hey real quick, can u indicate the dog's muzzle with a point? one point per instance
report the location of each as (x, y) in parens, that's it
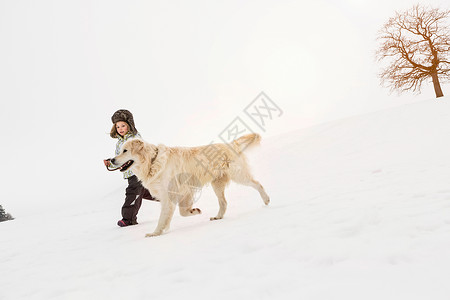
(126, 165)
(122, 168)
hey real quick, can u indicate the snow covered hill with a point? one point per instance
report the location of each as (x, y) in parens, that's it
(360, 209)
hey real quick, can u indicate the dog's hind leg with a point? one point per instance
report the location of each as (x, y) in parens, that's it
(256, 185)
(167, 210)
(219, 188)
(245, 178)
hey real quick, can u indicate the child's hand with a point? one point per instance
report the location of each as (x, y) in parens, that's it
(107, 162)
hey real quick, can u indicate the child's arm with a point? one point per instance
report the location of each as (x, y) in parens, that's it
(117, 152)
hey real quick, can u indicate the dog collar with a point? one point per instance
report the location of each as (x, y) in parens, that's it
(153, 158)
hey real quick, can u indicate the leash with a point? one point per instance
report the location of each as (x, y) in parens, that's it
(107, 168)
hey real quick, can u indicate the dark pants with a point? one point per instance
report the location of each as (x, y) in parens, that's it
(133, 200)
(134, 194)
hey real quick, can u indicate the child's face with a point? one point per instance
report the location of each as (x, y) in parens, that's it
(122, 128)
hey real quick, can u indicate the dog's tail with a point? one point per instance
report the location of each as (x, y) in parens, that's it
(246, 141)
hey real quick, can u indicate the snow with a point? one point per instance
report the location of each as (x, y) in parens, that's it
(359, 210)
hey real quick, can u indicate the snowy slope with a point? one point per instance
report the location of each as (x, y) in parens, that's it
(360, 210)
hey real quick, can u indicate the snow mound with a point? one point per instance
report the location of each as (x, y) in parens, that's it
(359, 210)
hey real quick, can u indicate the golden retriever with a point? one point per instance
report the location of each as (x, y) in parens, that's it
(174, 174)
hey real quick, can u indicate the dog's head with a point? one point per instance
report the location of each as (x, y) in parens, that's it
(131, 155)
(144, 159)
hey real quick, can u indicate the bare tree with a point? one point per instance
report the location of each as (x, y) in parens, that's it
(416, 44)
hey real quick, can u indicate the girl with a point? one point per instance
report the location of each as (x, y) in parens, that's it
(124, 129)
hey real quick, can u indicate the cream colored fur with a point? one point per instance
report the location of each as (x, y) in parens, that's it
(215, 163)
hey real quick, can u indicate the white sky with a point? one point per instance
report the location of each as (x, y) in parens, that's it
(186, 69)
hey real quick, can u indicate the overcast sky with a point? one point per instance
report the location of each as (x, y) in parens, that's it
(184, 66)
(186, 69)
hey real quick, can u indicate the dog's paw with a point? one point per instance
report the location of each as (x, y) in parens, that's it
(215, 218)
(196, 211)
(267, 201)
(153, 234)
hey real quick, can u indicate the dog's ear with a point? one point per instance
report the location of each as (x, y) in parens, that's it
(137, 146)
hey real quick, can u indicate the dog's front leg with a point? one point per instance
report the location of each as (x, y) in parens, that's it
(167, 210)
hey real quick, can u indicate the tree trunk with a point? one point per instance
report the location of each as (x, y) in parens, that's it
(437, 85)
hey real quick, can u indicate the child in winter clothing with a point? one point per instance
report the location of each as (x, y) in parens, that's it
(124, 129)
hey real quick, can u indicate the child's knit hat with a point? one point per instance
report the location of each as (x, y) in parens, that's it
(125, 116)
